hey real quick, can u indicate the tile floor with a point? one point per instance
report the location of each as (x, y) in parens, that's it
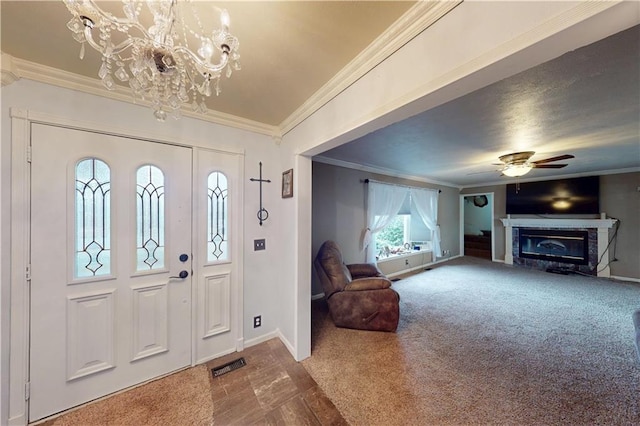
(272, 389)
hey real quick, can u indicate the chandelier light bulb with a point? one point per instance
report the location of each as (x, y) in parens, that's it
(168, 64)
(225, 20)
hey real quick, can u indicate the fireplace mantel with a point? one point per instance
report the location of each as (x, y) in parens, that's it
(602, 225)
(557, 223)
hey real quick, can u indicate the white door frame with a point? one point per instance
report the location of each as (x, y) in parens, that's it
(493, 233)
(21, 120)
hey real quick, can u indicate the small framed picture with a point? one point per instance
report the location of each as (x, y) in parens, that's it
(287, 184)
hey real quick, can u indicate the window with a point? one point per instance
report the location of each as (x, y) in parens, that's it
(150, 218)
(392, 238)
(93, 219)
(406, 227)
(387, 201)
(217, 218)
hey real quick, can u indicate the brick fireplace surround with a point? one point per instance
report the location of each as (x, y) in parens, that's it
(598, 230)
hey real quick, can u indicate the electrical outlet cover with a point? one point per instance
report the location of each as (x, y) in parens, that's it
(260, 244)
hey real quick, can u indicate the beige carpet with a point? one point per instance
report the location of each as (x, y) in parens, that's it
(183, 398)
(485, 343)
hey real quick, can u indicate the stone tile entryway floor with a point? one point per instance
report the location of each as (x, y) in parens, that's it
(271, 389)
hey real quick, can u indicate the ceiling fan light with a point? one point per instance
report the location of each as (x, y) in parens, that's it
(515, 170)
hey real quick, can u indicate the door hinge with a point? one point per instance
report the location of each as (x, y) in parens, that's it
(27, 391)
(28, 273)
(29, 154)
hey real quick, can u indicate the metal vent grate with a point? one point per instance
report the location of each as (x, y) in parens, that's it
(230, 366)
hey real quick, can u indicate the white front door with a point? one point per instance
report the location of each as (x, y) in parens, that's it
(218, 253)
(110, 235)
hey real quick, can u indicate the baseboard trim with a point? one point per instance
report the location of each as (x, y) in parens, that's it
(287, 344)
(19, 420)
(424, 266)
(633, 280)
(445, 259)
(263, 338)
(271, 335)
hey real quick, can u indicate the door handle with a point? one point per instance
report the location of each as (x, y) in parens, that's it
(182, 275)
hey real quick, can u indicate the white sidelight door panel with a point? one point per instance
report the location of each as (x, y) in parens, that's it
(217, 235)
(110, 304)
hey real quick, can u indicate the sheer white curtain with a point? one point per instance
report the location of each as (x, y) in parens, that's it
(426, 203)
(383, 204)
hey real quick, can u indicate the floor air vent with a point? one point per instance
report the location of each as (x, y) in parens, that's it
(230, 366)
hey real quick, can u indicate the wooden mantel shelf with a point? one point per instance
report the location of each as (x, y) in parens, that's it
(557, 223)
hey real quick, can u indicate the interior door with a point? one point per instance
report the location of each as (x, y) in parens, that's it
(110, 265)
(218, 217)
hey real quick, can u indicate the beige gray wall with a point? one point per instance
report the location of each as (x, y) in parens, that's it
(339, 212)
(619, 198)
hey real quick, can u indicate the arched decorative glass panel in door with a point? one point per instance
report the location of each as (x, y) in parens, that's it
(92, 218)
(217, 218)
(150, 242)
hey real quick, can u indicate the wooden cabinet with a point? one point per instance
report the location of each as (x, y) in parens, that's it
(478, 246)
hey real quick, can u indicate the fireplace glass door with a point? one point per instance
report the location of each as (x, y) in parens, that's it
(555, 245)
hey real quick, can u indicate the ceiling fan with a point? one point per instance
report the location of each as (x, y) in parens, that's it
(518, 164)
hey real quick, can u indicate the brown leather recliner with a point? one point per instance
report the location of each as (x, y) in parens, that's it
(359, 295)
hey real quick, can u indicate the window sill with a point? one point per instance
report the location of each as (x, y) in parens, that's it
(401, 255)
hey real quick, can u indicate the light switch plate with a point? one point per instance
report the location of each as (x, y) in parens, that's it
(259, 244)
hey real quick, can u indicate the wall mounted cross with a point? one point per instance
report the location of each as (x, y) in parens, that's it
(263, 214)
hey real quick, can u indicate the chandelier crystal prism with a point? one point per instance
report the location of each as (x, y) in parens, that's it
(167, 62)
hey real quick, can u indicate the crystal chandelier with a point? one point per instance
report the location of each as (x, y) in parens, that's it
(157, 60)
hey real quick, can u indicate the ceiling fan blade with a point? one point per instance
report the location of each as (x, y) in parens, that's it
(548, 166)
(548, 160)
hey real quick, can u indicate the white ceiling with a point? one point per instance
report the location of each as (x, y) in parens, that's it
(585, 103)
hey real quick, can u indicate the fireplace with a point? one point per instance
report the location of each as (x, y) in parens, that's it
(596, 243)
(555, 245)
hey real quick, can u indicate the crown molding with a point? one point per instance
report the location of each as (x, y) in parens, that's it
(9, 72)
(56, 77)
(556, 24)
(421, 16)
(555, 177)
(381, 171)
(394, 173)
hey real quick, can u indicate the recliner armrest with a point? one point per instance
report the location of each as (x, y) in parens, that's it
(372, 283)
(361, 270)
